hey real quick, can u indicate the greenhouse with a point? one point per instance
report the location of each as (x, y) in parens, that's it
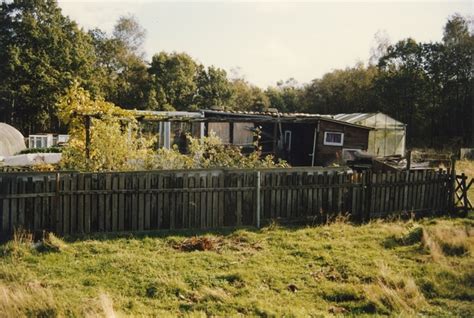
(388, 136)
(11, 140)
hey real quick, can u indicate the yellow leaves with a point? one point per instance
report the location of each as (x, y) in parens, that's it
(115, 142)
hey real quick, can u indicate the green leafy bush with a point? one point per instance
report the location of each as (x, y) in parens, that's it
(117, 144)
(53, 149)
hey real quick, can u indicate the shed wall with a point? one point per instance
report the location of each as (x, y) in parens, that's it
(354, 138)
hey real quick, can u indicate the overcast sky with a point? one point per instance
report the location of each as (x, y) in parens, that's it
(271, 41)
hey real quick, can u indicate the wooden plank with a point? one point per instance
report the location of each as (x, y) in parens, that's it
(192, 201)
(215, 200)
(45, 205)
(73, 204)
(166, 203)
(295, 206)
(330, 184)
(20, 219)
(38, 206)
(160, 203)
(309, 195)
(319, 193)
(141, 202)
(5, 189)
(80, 204)
(439, 193)
(134, 199)
(202, 215)
(354, 211)
(101, 213)
(340, 191)
(87, 203)
(289, 195)
(428, 199)
(14, 204)
(114, 202)
(398, 199)
(423, 204)
(372, 195)
(28, 217)
(388, 193)
(221, 199)
(209, 201)
(66, 206)
(278, 191)
(172, 201)
(185, 202)
(239, 200)
(410, 191)
(178, 198)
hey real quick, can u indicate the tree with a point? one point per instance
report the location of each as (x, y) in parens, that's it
(131, 34)
(213, 88)
(246, 96)
(342, 91)
(174, 78)
(41, 53)
(123, 72)
(403, 85)
(286, 96)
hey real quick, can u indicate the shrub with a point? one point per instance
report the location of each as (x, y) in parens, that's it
(115, 141)
(117, 144)
(53, 149)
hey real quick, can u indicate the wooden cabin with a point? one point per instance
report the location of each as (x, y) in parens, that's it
(300, 139)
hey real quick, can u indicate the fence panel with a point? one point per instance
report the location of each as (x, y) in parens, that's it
(76, 203)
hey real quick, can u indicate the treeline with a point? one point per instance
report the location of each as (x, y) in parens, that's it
(42, 52)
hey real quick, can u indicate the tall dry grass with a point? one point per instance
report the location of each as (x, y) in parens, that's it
(32, 300)
(394, 292)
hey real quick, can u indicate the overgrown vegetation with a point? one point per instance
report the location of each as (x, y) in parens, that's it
(117, 144)
(400, 268)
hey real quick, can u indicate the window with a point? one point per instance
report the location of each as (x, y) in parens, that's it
(38, 141)
(243, 134)
(333, 138)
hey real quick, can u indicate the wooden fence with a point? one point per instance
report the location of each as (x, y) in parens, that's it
(76, 203)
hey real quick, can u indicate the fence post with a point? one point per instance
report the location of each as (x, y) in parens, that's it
(452, 196)
(257, 208)
(464, 195)
(57, 208)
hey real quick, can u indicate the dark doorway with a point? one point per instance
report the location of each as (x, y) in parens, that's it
(302, 138)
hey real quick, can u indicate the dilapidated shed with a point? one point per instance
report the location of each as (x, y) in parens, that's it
(388, 136)
(299, 138)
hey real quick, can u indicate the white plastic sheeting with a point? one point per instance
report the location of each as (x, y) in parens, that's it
(32, 159)
(11, 140)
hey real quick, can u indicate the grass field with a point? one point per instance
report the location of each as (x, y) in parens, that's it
(380, 268)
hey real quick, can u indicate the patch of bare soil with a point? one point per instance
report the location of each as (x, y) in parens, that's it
(216, 244)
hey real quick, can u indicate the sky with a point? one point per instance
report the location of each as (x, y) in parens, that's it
(268, 41)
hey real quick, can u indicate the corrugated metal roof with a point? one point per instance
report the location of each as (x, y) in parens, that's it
(267, 113)
(276, 115)
(355, 118)
(352, 118)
